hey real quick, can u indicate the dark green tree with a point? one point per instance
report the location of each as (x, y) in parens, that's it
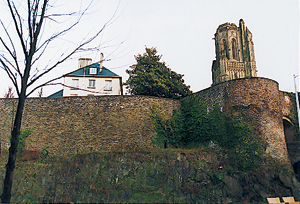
(194, 125)
(151, 77)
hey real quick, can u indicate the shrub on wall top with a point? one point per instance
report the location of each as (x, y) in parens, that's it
(193, 126)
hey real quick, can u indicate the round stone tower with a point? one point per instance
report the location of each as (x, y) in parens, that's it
(260, 103)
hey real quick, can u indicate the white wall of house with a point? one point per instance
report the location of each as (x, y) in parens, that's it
(91, 86)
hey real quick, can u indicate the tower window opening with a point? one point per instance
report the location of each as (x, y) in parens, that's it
(233, 45)
(225, 48)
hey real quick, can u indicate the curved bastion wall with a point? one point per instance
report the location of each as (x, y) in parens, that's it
(68, 125)
(260, 102)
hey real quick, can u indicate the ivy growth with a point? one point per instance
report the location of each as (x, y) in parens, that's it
(24, 133)
(194, 126)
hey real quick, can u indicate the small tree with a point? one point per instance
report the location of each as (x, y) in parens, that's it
(151, 77)
(40, 92)
(10, 93)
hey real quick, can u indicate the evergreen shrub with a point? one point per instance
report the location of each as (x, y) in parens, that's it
(23, 134)
(194, 125)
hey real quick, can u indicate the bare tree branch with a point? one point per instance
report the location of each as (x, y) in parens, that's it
(7, 61)
(44, 84)
(56, 35)
(12, 53)
(11, 76)
(72, 87)
(19, 32)
(41, 53)
(65, 30)
(63, 14)
(33, 44)
(30, 29)
(65, 58)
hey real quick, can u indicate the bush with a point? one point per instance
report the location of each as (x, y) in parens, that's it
(194, 126)
(23, 135)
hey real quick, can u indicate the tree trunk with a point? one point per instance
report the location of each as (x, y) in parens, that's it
(10, 166)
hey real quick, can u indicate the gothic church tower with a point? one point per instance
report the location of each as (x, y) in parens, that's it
(234, 53)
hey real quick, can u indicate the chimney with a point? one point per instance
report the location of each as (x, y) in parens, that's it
(101, 61)
(83, 62)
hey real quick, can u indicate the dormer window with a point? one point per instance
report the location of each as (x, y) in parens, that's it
(93, 70)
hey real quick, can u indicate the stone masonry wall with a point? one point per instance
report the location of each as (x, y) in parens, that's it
(74, 124)
(260, 102)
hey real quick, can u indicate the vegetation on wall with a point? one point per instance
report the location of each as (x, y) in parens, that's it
(193, 125)
(23, 135)
(293, 112)
(151, 77)
(144, 176)
(160, 176)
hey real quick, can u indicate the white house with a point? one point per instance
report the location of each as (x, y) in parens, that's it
(90, 79)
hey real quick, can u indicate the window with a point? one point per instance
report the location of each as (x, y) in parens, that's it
(75, 83)
(93, 70)
(108, 85)
(225, 48)
(233, 44)
(92, 83)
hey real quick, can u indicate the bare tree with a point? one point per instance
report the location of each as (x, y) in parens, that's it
(10, 93)
(20, 54)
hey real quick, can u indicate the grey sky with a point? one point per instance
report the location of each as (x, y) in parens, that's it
(182, 32)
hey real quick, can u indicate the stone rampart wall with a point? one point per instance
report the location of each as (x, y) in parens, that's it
(70, 124)
(260, 102)
(74, 124)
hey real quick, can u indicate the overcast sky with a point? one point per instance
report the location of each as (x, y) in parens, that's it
(182, 32)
